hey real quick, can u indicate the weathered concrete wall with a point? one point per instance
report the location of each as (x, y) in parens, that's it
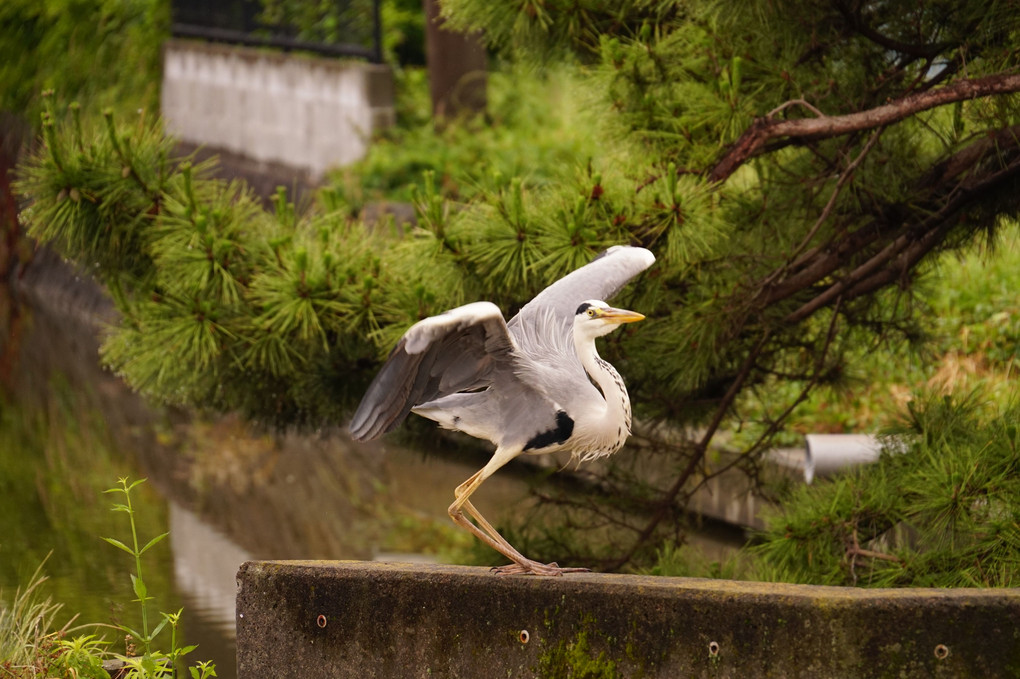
(354, 619)
(305, 112)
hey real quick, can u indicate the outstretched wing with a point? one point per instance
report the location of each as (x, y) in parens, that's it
(458, 350)
(543, 330)
(471, 348)
(600, 279)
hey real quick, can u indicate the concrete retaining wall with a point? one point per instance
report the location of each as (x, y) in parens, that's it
(354, 619)
(305, 112)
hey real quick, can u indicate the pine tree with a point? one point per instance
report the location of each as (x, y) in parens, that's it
(939, 509)
(795, 166)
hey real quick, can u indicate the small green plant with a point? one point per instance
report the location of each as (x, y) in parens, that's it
(151, 663)
(82, 657)
(30, 647)
(26, 639)
(145, 637)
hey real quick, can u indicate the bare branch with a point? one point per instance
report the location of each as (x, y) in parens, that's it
(943, 182)
(856, 21)
(763, 130)
(844, 177)
(907, 250)
(774, 426)
(794, 102)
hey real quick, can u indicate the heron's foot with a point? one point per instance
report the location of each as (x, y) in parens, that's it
(530, 567)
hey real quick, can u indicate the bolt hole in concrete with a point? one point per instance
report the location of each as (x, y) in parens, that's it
(713, 649)
(524, 636)
(941, 651)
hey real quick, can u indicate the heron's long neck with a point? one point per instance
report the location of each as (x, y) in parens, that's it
(609, 382)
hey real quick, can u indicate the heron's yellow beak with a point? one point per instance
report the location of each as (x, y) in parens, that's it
(620, 315)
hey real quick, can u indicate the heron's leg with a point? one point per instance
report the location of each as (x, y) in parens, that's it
(485, 532)
(522, 565)
(487, 527)
(480, 521)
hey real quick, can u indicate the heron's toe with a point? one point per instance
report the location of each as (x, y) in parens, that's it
(535, 568)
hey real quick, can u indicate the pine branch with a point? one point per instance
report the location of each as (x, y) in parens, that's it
(856, 20)
(776, 423)
(845, 176)
(764, 130)
(913, 244)
(943, 189)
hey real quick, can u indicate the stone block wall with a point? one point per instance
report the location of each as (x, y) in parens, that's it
(309, 113)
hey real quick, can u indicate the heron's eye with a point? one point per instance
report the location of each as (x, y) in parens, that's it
(591, 313)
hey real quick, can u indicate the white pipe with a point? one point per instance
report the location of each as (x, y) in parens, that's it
(831, 453)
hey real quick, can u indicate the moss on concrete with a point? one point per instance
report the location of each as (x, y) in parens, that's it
(348, 619)
(575, 658)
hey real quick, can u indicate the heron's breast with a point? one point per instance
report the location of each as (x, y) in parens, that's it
(598, 437)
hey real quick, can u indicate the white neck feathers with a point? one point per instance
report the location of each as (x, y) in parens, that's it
(608, 430)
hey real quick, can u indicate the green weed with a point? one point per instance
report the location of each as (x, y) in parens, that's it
(26, 621)
(30, 647)
(151, 663)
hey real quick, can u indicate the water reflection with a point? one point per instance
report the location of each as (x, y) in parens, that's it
(205, 561)
(68, 430)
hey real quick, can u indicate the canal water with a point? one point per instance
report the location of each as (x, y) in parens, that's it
(226, 493)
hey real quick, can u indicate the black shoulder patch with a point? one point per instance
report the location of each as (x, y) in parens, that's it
(581, 309)
(564, 428)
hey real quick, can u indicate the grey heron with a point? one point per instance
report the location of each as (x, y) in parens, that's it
(531, 386)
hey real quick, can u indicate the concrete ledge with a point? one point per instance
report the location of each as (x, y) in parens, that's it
(307, 112)
(352, 619)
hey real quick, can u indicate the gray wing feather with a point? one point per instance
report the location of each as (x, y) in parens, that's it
(530, 362)
(543, 330)
(600, 279)
(454, 351)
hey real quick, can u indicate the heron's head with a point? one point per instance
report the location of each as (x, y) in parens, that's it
(595, 318)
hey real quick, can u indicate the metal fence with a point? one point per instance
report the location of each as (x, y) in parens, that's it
(342, 28)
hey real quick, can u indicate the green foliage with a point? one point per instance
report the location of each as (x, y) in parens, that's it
(104, 53)
(939, 509)
(30, 647)
(26, 628)
(783, 260)
(200, 269)
(71, 180)
(403, 37)
(151, 663)
(315, 21)
(536, 28)
(535, 129)
(976, 305)
(82, 657)
(403, 24)
(970, 344)
(688, 562)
